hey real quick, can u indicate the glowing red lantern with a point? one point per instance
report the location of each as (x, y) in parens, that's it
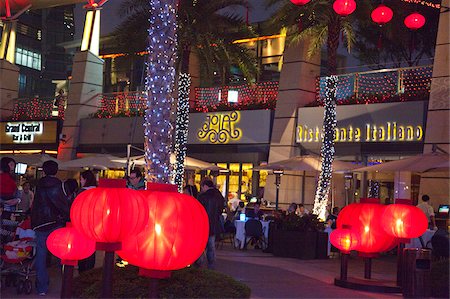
(365, 219)
(344, 7)
(344, 239)
(404, 221)
(176, 234)
(70, 245)
(109, 215)
(300, 2)
(382, 14)
(414, 21)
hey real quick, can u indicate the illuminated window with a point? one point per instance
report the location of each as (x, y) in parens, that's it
(28, 58)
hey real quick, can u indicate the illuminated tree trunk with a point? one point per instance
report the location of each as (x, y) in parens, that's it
(159, 87)
(329, 123)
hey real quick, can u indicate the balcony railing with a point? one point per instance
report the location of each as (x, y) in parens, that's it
(39, 108)
(389, 85)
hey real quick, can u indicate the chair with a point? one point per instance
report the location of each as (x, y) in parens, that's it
(227, 236)
(254, 233)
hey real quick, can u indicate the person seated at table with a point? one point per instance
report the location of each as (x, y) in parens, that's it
(301, 211)
(256, 213)
(291, 209)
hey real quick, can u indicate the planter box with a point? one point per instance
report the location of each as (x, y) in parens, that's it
(301, 245)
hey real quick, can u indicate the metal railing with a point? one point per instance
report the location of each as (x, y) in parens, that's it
(39, 108)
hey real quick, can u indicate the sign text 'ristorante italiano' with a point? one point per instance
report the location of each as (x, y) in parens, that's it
(392, 122)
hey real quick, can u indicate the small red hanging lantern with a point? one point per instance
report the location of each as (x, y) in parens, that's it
(70, 245)
(300, 2)
(382, 14)
(344, 7)
(404, 221)
(176, 234)
(344, 239)
(365, 220)
(109, 215)
(414, 21)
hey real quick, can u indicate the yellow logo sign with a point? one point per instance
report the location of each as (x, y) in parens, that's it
(220, 128)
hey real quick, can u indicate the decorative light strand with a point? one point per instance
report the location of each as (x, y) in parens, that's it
(181, 128)
(159, 83)
(327, 150)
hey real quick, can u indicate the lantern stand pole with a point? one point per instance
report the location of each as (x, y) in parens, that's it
(344, 265)
(367, 268)
(155, 276)
(66, 288)
(278, 174)
(400, 248)
(108, 266)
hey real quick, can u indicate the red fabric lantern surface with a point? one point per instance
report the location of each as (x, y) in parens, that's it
(365, 219)
(300, 2)
(404, 221)
(176, 234)
(109, 215)
(344, 7)
(382, 14)
(414, 21)
(70, 245)
(344, 239)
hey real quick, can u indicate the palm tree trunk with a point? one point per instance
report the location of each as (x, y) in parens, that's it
(159, 87)
(182, 120)
(329, 123)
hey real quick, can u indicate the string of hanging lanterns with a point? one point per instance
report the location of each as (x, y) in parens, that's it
(380, 15)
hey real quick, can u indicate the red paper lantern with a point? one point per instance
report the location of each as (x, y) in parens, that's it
(414, 21)
(176, 234)
(365, 219)
(109, 215)
(70, 245)
(382, 14)
(344, 7)
(404, 221)
(300, 2)
(344, 239)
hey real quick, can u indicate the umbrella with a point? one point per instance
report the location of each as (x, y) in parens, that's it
(305, 163)
(189, 163)
(421, 163)
(100, 161)
(32, 159)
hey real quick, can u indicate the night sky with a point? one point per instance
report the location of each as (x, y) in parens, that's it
(110, 18)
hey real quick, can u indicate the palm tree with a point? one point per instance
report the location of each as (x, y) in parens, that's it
(317, 22)
(203, 29)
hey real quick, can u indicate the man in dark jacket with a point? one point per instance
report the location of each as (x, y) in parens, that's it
(213, 202)
(50, 211)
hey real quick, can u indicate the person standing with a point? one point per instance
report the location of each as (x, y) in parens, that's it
(331, 219)
(8, 189)
(87, 182)
(213, 202)
(50, 211)
(26, 199)
(428, 211)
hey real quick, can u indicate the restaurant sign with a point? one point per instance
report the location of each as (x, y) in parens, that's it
(390, 122)
(28, 132)
(236, 127)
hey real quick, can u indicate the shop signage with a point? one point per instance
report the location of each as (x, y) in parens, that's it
(22, 132)
(230, 127)
(393, 122)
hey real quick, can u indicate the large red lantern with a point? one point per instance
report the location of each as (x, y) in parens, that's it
(404, 221)
(414, 21)
(300, 2)
(344, 7)
(70, 245)
(176, 234)
(365, 219)
(382, 14)
(109, 215)
(344, 239)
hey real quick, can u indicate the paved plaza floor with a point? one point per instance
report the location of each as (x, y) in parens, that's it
(274, 277)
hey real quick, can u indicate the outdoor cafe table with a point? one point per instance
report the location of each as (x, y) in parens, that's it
(426, 237)
(240, 232)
